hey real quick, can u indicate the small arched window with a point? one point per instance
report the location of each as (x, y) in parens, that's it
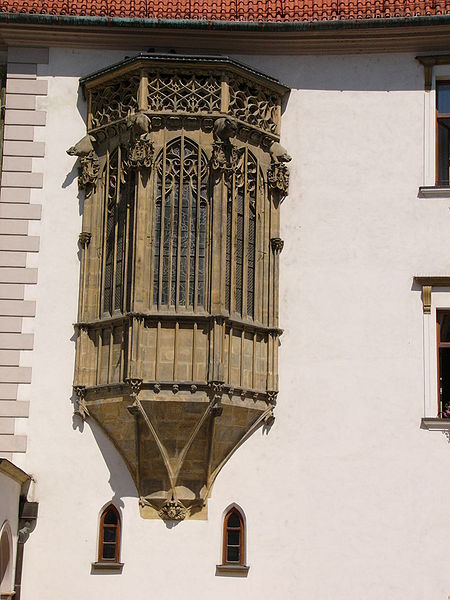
(109, 537)
(5, 561)
(233, 538)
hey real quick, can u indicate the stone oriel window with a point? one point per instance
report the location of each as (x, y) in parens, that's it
(178, 334)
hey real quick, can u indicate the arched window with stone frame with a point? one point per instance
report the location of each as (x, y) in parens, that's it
(109, 537)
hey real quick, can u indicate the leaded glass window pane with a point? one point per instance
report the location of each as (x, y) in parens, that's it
(119, 235)
(183, 226)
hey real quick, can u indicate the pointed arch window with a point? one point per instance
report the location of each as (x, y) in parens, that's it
(118, 236)
(241, 237)
(180, 226)
(233, 538)
(109, 536)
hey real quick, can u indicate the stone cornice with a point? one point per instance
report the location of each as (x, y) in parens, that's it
(417, 34)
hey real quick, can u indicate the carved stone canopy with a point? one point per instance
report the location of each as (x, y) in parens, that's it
(178, 334)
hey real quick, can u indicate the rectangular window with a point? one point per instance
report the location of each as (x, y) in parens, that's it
(443, 132)
(443, 353)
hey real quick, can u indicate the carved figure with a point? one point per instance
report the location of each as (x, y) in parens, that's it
(226, 156)
(141, 150)
(224, 129)
(82, 148)
(278, 174)
(89, 163)
(279, 154)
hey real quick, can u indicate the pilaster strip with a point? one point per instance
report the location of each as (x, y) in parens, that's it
(19, 178)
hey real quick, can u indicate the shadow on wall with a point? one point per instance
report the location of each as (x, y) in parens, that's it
(358, 72)
(120, 479)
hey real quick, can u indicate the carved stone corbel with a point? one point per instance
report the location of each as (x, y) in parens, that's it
(272, 397)
(84, 238)
(277, 245)
(81, 408)
(216, 388)
(89, 168)
(278, 174)
(135, 384)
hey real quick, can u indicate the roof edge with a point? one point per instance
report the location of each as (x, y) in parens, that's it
(243, 26)
(204, 59)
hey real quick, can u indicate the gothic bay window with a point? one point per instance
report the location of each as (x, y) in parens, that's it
(178, 333)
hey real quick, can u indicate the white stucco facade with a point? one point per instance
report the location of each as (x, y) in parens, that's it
(346, 497)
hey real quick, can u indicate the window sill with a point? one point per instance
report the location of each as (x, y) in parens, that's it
(435, 424)
(230, 569)
(107, 566)
(434, 191)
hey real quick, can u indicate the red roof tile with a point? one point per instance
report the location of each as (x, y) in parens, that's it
(233, 10)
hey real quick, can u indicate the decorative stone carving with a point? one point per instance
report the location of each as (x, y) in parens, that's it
(113, 101)
(278, 174)
(272, 397)
(141, 148)
(226, 157)
(84, 238)
(80, 407)
(277, 245)
(251, 104)
(184, 92)
(135, 385)
(269, 419)
(172, 510)
(89, 163)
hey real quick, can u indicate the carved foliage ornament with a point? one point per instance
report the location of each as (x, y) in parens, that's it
(172, 510)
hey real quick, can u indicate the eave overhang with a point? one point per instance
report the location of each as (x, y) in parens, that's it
(415, 34)
(186, 61)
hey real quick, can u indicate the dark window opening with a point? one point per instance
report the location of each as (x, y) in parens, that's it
(443, 132)
(119, 238)
(233, 538)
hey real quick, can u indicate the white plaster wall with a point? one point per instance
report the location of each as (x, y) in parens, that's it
(9, 513)
(346, 498)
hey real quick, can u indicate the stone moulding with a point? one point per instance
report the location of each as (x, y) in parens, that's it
(177, 332)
